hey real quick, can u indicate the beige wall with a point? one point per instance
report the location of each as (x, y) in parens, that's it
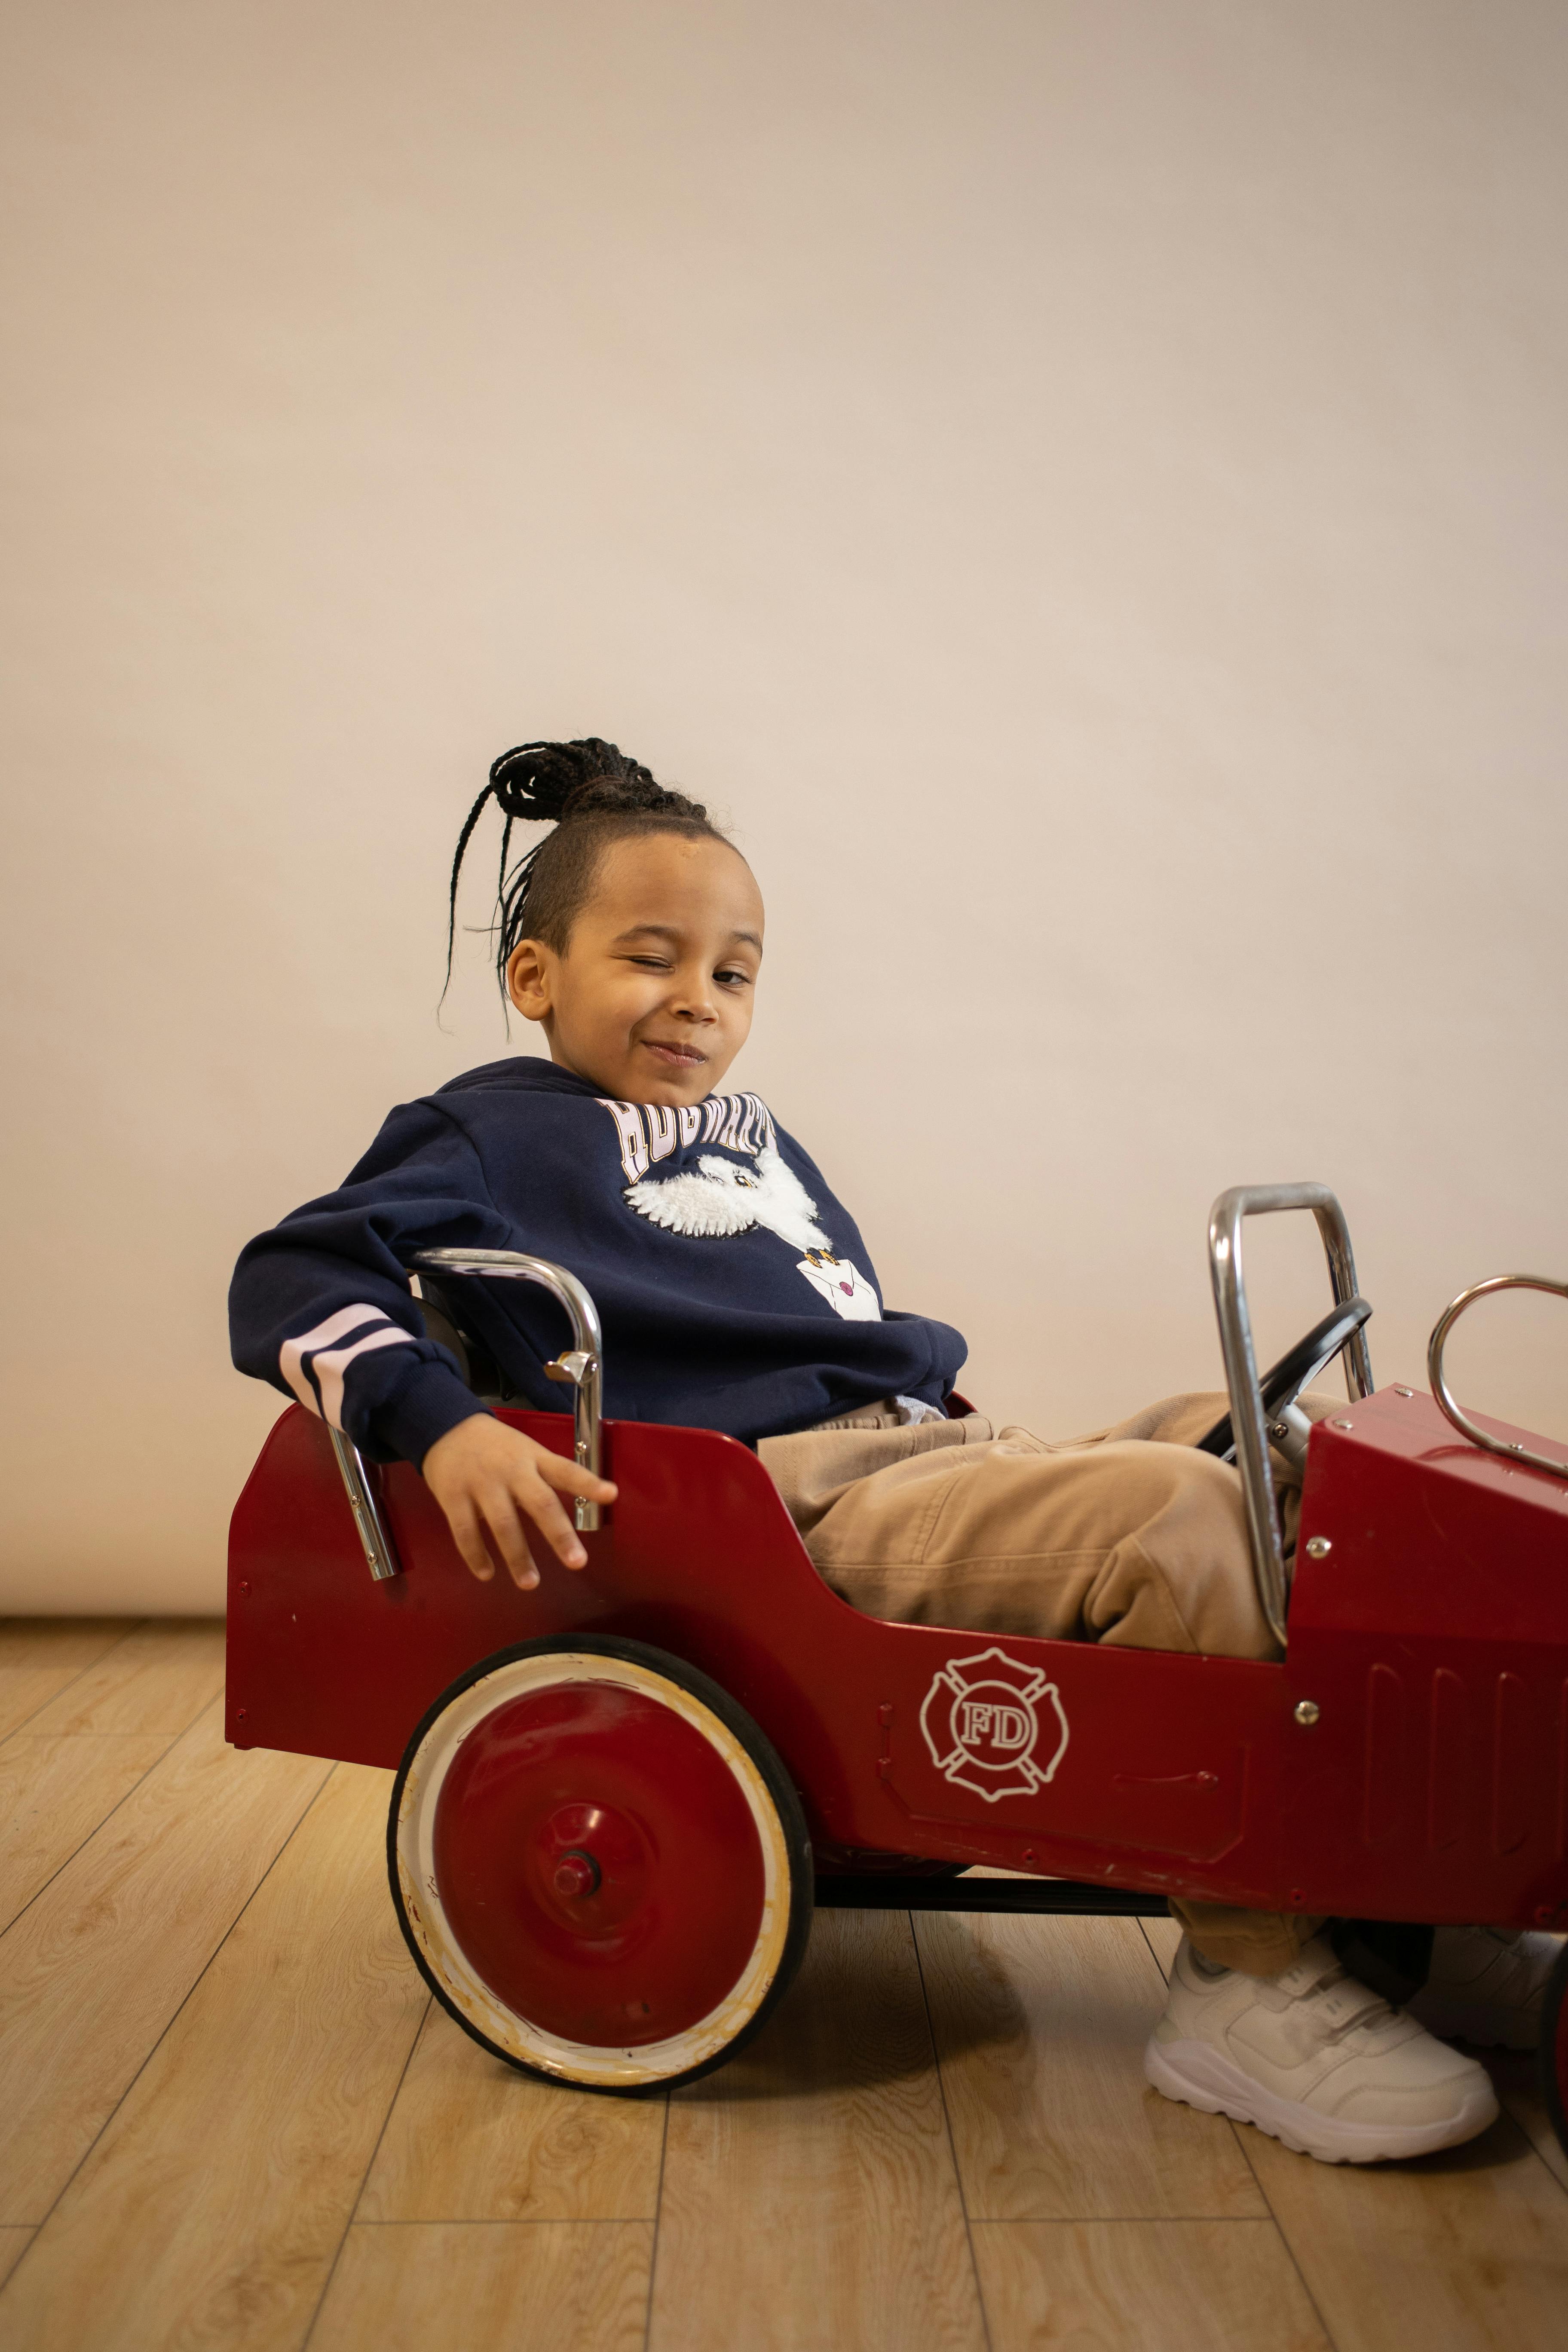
(1079, 483)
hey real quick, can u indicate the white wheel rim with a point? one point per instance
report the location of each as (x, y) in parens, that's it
(432, 1930)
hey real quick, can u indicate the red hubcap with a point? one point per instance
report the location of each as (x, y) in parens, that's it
(598, 1864)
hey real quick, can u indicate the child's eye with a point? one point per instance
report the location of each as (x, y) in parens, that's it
(732, 979)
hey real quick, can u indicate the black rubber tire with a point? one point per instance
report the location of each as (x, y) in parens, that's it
(780, 1790)
(1554, 2053)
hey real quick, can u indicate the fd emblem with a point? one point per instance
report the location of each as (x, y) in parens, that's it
(982, 1723)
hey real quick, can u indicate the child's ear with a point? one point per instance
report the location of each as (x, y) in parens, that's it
(528, 979)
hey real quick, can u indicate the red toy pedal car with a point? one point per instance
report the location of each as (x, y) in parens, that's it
(609, 1788)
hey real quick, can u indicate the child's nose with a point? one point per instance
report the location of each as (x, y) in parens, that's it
(693, 1001)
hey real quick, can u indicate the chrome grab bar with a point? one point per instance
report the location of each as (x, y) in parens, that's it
(1248, 1418)
(374, 1535)
(581, 1365)
(1508, 1448)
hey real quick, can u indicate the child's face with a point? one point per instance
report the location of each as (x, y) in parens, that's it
(652, 999)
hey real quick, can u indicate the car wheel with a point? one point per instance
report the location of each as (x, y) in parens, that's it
(599, 1864)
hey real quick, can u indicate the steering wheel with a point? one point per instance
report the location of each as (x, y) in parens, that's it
(1297, 1370)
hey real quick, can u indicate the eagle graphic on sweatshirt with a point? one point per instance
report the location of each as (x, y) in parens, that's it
(721, 1196)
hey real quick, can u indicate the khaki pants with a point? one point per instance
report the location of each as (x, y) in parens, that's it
(1125, 1536)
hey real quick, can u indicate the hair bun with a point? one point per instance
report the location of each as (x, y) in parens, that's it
(540, 783)
(537, 784)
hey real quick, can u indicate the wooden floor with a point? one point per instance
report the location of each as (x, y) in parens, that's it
(230, 2116)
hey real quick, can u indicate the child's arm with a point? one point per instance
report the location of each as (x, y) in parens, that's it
(321, 1307)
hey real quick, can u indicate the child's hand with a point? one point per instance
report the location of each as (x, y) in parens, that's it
(487, 1477)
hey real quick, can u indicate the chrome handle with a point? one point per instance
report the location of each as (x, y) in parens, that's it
(1508, 1448)
(380, 1552)
(1248, 1418)
(581, 1365)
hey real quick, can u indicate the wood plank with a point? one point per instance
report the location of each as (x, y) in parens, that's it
(809, 2193)
(158, 1679)
(1466, 2250)
(1517, 2081)
(53, 1795)
(42, 1655)
(1163, 1938)
(470, 2139)
(14, 2244)
(1040, 2026)
(93, 1971)
(212, 2208)
(451, 2286)
(1143, 2287)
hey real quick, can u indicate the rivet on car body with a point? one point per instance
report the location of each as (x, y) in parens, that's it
(1307, 1711)
(1319, 1546)
(1404, 1392)
(1340, 1424)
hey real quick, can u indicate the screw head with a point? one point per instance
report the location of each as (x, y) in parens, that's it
(1307, 1712)
(1404, 1392)
(1319, 1546)
(1340, 1424)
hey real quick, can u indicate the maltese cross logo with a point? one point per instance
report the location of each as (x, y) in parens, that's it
(982, 1721)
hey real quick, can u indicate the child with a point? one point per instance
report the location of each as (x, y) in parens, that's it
(737, 1294)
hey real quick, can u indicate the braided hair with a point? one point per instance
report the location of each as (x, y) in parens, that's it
(593, 794)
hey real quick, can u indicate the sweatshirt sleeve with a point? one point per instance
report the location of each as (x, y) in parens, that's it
(320, 1306)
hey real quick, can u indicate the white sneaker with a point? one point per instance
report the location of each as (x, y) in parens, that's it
(1487, 1985)
(1316, 2060)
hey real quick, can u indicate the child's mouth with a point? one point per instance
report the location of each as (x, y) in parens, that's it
(675, 1057)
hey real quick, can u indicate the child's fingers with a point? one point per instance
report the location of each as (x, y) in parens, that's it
(534, 1496)
(507, 1536)
(572, 1479)
(468, 1537)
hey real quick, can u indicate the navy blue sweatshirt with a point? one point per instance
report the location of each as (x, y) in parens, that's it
(734, 1291)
